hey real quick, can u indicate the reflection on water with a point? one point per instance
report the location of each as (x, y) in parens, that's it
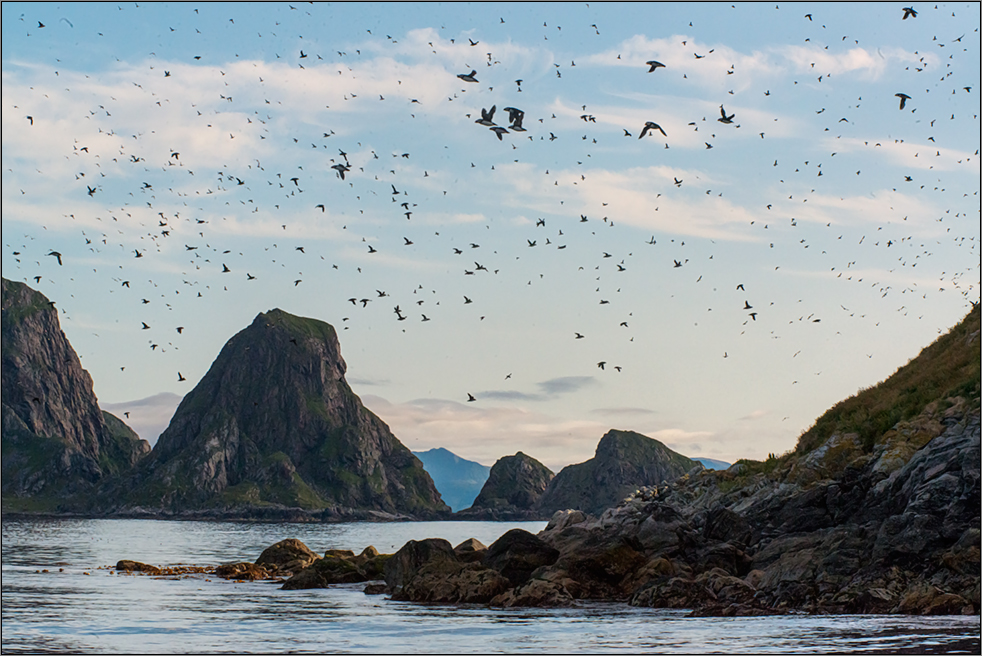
(83, 608)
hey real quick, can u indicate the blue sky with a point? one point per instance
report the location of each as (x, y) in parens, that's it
(208, 132)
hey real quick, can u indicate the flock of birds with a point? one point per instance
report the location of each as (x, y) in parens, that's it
(359, 177)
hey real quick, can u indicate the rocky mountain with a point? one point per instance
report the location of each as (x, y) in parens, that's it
(273, 425)
(57, 443)
(457, 479)
(512, 489)
(623, 462)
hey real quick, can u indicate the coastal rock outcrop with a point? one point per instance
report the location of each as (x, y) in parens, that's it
(57, 444)
(273, 424)
(624, 461)
(511, 490)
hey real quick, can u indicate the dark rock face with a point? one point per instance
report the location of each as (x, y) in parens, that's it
(518, 553)
(429, 570)
(56, 440)
(623, 462)
(513, 486)
(406, 562)
(274, 424)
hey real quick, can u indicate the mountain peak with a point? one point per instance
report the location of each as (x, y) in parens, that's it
(273, 422)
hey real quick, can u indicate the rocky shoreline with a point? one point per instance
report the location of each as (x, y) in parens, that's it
(906, 542)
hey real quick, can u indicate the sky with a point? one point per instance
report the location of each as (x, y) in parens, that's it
(791, 232)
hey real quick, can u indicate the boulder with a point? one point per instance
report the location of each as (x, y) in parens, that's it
(517, 553)
(324, 572)
(136, 566)
(242, 572)
(603, 567)
(403, 565)
(286, 557)
(470, 550)
(447, 581)
(536, 593)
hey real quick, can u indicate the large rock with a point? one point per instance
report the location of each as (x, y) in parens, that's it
(57, 444)
(339, 566)
(274, 424)
(429, 570)
(624, 461)
(286, 557)
(518, 553)
(406, 562)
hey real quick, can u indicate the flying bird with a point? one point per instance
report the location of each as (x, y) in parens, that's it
(57, 255)
(909, 12)
(723, 117)
(903, 99)
(651, 126)
(487, 117)
(468, 77)
(654, 64)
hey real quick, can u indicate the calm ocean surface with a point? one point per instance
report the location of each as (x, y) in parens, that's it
(76, 607)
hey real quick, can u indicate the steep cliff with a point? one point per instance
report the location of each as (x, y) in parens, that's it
(274, 424)
(514, 484)
(624, 461)
(57, 443)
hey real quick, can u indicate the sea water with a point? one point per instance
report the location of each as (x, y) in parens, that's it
(79, 606)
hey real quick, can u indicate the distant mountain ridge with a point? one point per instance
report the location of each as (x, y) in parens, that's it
(457, 479)
(57, 445)
(712, 463)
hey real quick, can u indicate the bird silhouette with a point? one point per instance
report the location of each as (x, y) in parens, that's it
(903, 99)
(649, 125)
(723, 117)
(57, 255)
(468, 77)
(654, 65)
(487, 117)
(909, 13)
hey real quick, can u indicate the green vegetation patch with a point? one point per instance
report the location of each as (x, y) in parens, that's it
(947, 368)
(300, 326)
